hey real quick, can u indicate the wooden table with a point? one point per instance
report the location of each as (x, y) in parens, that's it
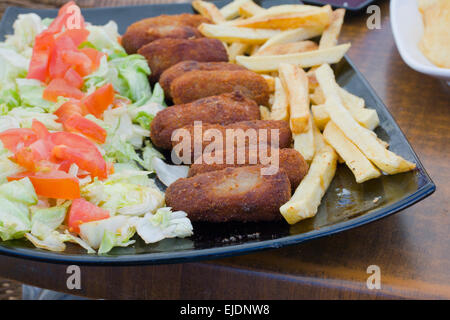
(412, 248)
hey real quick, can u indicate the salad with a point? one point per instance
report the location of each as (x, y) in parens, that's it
(75, 158)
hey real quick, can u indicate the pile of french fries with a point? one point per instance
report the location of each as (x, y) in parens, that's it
(329, 124)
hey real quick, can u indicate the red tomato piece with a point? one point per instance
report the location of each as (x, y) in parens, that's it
(94, 55)
(79, 150)
(58, 88)
(36, 156)
(78, 36)
(79, 61)
(73, 78)
(53, 184)
(69, 16)
(38, 68)
(83, 211)
(98, 101)
(78, 123)
(40, 129)
(69, 108)
(14, 139)
(57, 66)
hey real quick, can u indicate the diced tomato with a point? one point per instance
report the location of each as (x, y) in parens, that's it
(69, 108)
(98, 101)
(78, 36)
(69, 16)
(73, 78)
(58, 88)
(78, 123)
(85, 160)
(38, 68)
(40, 129)
(14, 139)
(54, 184)
(57, 66)
(79, 150)
(83, 211)
(94, 55)
(36, 156)
(79, 61)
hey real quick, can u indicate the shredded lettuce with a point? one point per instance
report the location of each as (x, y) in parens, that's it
(163, 224)
(30, 92)
(104, 38)
(167, 173)
(15, 197)
(12, 66)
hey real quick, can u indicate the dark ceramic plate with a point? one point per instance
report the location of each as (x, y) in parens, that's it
(346, 204)
(351, 5)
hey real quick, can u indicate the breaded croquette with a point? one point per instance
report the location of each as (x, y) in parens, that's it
(163, 53)
(236, 135)
(181, 26)
(198, 84)
(290, 160)
(233, 194)
(223, 109)
(185, 66)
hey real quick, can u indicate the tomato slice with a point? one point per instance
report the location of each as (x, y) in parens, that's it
(40, 129)
(78, 36)
(14, 139)
(83, 211)
(69, 16)
(54, 184)
(36, 156)
(38, 68)
(78, 123)
(60, 88)
(67, 109)
(79, 150)
(73, 78)
(94, 55)
(98, 101)
(80, 62)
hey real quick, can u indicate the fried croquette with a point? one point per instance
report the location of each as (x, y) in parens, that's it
(222, 109)
(198, 84)
(232, 194)
(163, 53)
(243, 134)
(290, 160)
(181, 26)
(185, 66)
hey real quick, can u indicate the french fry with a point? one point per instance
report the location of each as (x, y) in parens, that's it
(286, 48)
(368, 118)
(288, 8)
(231, 10)
(360, 166)
(250, 9)
(254, 49)
(320, 116)
(295, 35)
(270, 82)
(369, 145)
(208, 10)
(303, 59)
(265, 113)
(331, 33)
(350, 100)
(304, 142)
(295, 83)
(236, 49)
(280, 104)
(308, 195)
(232, 34)
(320, 17)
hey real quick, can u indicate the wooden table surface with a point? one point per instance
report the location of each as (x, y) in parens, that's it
(412, 248)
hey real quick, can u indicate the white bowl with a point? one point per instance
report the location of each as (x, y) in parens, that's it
(407, 27)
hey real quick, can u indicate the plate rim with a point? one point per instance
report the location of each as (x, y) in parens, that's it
(191, 255)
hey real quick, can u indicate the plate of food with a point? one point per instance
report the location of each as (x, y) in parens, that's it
(172, 133)
(421, 32)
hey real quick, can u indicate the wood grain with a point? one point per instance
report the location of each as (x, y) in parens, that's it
(412, 248)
